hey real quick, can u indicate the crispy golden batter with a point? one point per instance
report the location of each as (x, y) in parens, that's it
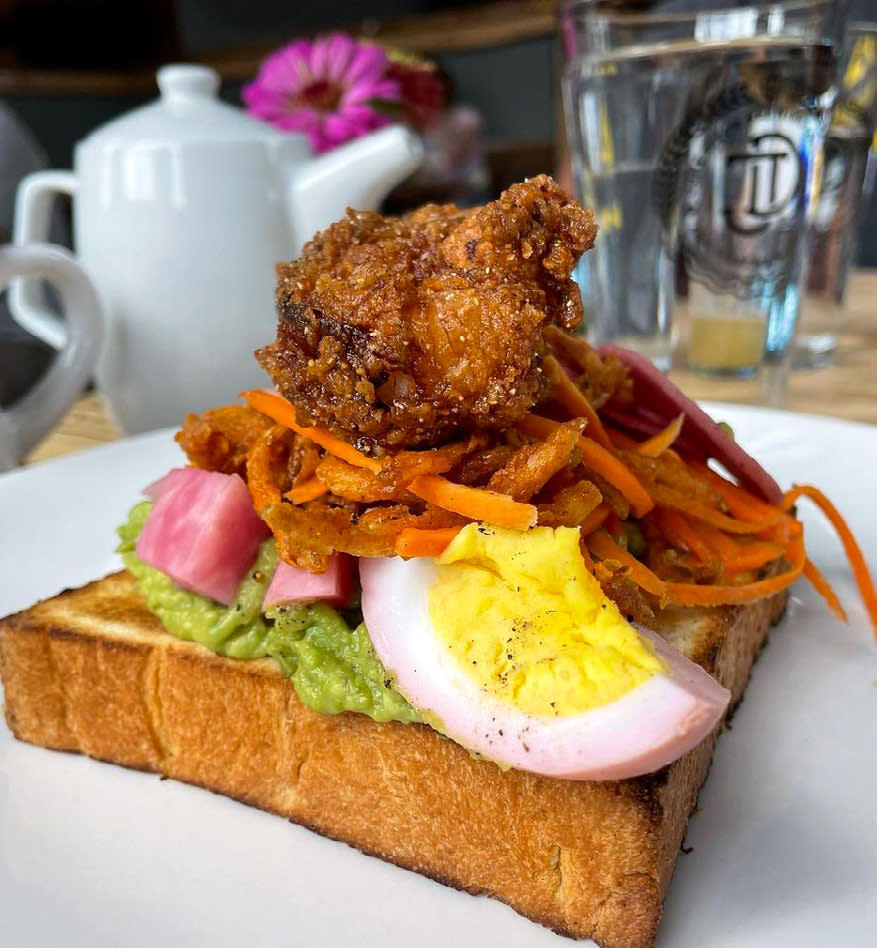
(530, 468)
(221, 439)
(406, 331)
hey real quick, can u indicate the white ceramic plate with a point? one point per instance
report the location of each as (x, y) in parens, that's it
(784, 848)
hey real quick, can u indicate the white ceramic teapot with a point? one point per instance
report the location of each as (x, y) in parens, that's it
(181, 209)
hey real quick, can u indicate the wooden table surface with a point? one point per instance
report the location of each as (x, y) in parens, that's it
(846, 389)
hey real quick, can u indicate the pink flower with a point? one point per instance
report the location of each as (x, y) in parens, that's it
(325, 89)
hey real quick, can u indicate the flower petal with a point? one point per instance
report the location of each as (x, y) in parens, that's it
(322, 52)
(365, 121)
(361, 115)
(287, 70)
(368, 63)
(339, 129)
(341, 50)
(362, 92)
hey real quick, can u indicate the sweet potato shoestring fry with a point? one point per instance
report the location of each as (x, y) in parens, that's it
(532, 465)
(599, 459)
(262, 476)
(851, 547)
(568, 395)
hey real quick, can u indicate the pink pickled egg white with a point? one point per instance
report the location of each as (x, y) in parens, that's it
(292, 584)
(650, 726)
(202, 531)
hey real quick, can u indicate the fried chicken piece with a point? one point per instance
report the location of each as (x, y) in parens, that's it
(404, 332)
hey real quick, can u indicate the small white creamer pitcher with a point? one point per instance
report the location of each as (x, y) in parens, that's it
(181, 209)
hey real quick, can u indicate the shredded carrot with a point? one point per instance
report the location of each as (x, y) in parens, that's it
(617, 474)
(737, 556)
(753, 556)
(414, 542)
(697, 510)
(657, 445)
(602, 545)
(851, 547)
(277, 407)
(574, 401)
(596, 457)
(691, 594)
(823, 587)
(594, 520)
(682, 534)
(725, 548)
(621, 440)
(474, 502)
(738, 501)
(308, 490)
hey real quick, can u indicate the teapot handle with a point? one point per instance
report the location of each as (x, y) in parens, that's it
(33, 216)
(25, 423)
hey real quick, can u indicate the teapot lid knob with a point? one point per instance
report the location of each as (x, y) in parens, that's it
(186, 81)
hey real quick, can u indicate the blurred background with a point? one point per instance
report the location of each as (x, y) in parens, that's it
(68, 66)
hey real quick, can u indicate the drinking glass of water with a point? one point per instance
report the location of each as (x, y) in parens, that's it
(697, 138)
(847, 182)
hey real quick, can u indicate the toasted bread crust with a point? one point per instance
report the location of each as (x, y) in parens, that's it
(92, 671)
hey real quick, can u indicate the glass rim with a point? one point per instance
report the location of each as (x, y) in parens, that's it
(609, 15)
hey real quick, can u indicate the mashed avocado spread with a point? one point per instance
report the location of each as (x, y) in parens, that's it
(327, 654)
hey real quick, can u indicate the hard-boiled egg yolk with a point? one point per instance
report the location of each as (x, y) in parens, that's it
(525, 619)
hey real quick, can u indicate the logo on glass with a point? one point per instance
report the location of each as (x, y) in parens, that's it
(770, 180)
(744, 205)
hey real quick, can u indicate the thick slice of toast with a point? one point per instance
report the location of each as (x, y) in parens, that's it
(91, 670)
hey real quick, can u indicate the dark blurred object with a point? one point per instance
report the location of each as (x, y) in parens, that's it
(20, 154)
(23, 359)
(454, 168)
(424, 88)
(513, 161)
(88, 34)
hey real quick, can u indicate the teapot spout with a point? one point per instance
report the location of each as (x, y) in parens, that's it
(359, 175)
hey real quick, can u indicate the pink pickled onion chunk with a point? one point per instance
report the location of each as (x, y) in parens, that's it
(202, 531)
(292, 584)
